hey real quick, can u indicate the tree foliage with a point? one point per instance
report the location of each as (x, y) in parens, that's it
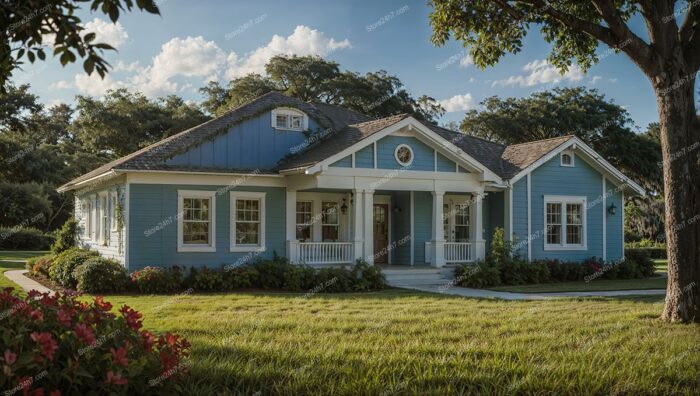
(311, 78)
(29, 25)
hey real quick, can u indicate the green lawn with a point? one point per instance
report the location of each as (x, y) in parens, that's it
(594, 285)
(401, 342)
(21, 255)
(661, 265)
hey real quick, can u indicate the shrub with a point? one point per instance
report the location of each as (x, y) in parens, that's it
(653, 252)
(271, 272)
(333, 280)
(65, 263)
(101, 275)
(536, 272)
(24, 238)
(40, 265)
(642, 261)
(299, 278)
(65, 239)
(367, 277)
(155, 280)
(84, 348)
(242, 277)
(482, 274)
(208, 281)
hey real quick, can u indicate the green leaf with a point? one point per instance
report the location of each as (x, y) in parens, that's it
(89, 37)
(40, 53)
(89, 65)
(31, 56)
(20, 53)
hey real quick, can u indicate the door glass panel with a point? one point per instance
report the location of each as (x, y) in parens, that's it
(461, 223)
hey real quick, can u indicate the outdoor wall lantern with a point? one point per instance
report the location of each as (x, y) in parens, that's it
(344, 207)
(612, 209)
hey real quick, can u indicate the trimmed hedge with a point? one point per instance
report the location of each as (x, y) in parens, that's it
(656, 253)
(101, 275)
(64, 264)
(24, 238)
(502, 267)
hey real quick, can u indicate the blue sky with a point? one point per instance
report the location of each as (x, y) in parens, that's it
(192, 42)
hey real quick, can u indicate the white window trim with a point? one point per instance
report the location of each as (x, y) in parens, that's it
(561, 158)
(181, 195)
(103, 218)
(396, 155)
(94, 219)
(311, 224)
(289, 112)
(247, 195)
(113, 210)
(563, 200)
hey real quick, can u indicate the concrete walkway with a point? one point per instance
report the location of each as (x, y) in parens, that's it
(446, 288)
(26, 283)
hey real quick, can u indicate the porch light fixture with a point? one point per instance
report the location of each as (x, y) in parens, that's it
(344, 207)
(612, 209)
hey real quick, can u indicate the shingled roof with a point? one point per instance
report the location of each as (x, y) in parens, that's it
(347, 128)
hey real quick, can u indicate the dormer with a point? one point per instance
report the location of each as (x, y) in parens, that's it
(289, 119)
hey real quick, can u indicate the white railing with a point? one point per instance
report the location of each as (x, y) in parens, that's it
(458, 252)
(324, 252)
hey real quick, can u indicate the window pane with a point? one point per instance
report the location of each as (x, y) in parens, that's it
(554, 223)
(247, 233)
(574, 234)
(281, 121)
(329, 214)
(296, 122)
(574, 213)
(330, 233)
(196, 233)
(554, 234)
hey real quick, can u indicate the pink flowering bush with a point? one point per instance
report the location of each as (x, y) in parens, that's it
(58, 345)
(156, 280)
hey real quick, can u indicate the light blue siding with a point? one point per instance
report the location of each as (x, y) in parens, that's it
(580, 180)
(401, 228)
(251, 144)
(520, 216)
(493, 215)
(154, 206)
(423, 154)
(614, 223)
(364, 158)
(444, 164)
(343, 163)
(422, 216)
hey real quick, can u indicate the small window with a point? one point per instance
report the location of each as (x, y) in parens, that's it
(567, 158)
(304, 220)
(403, 155)
(289, 119)
(196, 221)
(104, 220)
(113, 212)
(329, 221)
(247, 222)
(565, 219)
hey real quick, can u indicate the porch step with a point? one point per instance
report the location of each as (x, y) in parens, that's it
(411, 276)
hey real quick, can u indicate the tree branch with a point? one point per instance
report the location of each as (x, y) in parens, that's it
(689, 35)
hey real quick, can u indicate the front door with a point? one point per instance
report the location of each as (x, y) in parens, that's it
(381, 233)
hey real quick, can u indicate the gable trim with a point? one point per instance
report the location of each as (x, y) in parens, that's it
(413, 125)
(592, 154)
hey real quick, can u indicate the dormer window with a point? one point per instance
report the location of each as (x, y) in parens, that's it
(289, 119)
(567, 158)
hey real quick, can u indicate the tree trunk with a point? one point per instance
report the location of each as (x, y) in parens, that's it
(680, 142)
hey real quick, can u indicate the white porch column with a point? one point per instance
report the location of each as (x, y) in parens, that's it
(357, 227)
(291, 226)
(478, 232)
(368, 230)
(438, 259)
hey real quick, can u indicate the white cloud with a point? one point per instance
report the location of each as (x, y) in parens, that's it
(466, 61)
(126, 67)
(458, 103)
(595, 80)
(541, 72)
(189, 57)
(93, 85)
(63, 84)
(113, 34)
(303, 41)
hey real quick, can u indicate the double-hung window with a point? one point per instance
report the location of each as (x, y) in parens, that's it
(104, 218)
(113, 211)
(247, 221)
(196, 221)
(305, 214)
(565, 223)
(330, 223)
(87, 216)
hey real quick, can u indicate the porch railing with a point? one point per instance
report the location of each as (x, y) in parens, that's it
(324, 252)
(454, 252)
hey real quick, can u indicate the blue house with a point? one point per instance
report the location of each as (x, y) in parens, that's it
(324, 185)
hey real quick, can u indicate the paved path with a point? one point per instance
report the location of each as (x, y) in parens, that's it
(444, 288)
(26, 283)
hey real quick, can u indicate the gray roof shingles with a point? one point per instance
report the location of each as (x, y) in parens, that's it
(346, 128)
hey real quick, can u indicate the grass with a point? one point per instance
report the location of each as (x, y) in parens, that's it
(4, 282)
(661, 265)
(20, 255)
(402, 342)
(594, 285)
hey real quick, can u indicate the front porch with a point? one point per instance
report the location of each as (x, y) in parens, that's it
(386, 227)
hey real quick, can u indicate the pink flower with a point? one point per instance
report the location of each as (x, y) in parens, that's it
(10, 357)
(65, 315)
(133, 318)
(85, 333)
(119, 356)
(148, 340)
(102, 304)
(46, 342)
(115, 379)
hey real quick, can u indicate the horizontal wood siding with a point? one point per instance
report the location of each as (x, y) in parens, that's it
(614, 223)
(111, 249)
(423, 154)
(520, 216)
(343, 163)
(581, 180)
(364, 158)
(153, 227)
(401, 228)
(493, 215)
(251, 144)
(444, 164)
(423, 228)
